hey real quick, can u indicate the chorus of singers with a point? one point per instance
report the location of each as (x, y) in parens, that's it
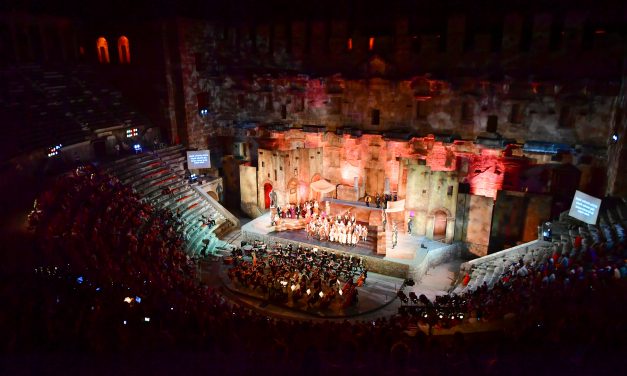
(296, 211)
(341, 229)
(305, 276)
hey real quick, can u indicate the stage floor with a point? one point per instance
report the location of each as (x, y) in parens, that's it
(410, 250)
(367, 248)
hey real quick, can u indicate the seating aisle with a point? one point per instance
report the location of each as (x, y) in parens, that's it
(158, 177)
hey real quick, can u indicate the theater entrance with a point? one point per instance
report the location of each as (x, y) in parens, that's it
(439, 225)
(267, 188)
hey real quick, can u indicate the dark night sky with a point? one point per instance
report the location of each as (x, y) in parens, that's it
(89, 10)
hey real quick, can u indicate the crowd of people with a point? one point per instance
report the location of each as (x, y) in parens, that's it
(112, 274)
(380, 200)
(306, 210)
(570, 272)
(342, 229)
(301, 276)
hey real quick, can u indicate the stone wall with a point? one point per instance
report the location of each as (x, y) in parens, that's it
(379, 105)
(289, 172)
(473, 222)
(572, 112)
(617, 149)
(248, 189)
(427, 194)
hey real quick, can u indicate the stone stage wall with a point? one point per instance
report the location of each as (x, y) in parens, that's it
(374, 264)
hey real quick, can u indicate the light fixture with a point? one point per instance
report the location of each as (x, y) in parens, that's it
(134, 132)
(54, 150)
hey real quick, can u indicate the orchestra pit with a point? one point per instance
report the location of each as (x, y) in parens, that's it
(335, 187)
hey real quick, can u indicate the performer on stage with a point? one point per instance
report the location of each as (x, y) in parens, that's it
(384, 219)
(273, 198)
(394, 235)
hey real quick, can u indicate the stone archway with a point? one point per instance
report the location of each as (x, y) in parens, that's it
(267, 188)
(439, 225)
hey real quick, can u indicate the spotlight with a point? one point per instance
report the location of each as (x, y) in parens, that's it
(615, 137)
(138, 299)
(308, 291)
(54, 150)
(321, 294)
(146, 319)
(128, 300)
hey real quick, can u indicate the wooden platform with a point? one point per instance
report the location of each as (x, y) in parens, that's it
(388, 265)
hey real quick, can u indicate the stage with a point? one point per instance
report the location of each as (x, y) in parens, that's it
(411, 257)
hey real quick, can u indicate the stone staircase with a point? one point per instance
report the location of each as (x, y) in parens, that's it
(159, 178)
(489, 269)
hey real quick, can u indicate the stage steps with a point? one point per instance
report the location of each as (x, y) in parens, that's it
(151, 173)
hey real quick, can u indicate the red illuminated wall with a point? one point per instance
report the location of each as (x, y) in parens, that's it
(486, 170)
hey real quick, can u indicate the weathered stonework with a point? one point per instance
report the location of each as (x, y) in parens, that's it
(355, 110)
